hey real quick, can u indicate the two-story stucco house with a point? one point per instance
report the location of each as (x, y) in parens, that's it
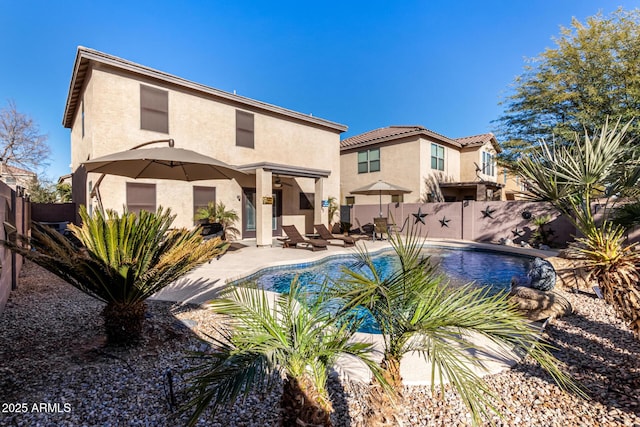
(292, 160)
(414, 156)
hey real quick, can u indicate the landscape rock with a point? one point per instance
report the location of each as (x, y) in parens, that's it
(541, 275)
(539, 305)
(52, 353)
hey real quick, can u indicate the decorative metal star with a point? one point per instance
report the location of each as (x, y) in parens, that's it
(517, 233)
(419, 216)
(444, 222)
(487, 212)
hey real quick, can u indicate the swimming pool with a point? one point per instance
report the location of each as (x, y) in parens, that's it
(488, 269)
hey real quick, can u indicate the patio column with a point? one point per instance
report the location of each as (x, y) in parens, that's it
(264, 208)
(320, 215)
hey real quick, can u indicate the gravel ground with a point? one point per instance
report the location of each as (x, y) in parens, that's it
(55, 371)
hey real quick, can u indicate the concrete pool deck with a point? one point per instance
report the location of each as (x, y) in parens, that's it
(245, 258)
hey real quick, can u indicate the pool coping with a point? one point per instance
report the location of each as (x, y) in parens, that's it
(435, 243)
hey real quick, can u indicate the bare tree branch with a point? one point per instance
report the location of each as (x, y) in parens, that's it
(21, 143)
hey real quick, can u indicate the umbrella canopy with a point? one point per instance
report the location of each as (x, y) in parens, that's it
(162, 163)
(381, 187)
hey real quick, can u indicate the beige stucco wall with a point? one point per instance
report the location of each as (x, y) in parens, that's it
(399, 165)
(405, 163)
(469, 157)
(199, 123)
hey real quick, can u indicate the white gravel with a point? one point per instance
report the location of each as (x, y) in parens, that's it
(55, 372)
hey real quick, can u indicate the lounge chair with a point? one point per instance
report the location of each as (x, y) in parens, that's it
(295, 238)
(325, 234)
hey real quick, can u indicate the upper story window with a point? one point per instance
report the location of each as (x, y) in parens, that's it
(488, 165)
(437, 157)
(369, 160)
(154, 109)
(244, 129)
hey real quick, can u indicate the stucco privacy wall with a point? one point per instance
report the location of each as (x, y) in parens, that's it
(15, 213)
(111, 103)
(471, 220)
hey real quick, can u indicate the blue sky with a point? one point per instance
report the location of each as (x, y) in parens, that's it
(367, 64)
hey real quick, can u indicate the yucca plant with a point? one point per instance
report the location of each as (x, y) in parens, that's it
(416, 311)
(121, 260)
(218, 212)
(291, 335)
(615, 267)
(605, 166)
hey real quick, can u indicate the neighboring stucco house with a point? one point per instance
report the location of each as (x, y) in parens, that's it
(291, 159)
(410, 156)
(16, 177)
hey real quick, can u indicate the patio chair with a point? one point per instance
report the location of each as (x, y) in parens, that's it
(380, 226)
(366, 229)
(295, 238)
(325, 234)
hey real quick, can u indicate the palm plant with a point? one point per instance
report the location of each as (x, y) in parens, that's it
(217, 212)
(291, 336)
(606, 167)
(416, 311)
(542, 235)
(122, 260)
(334, 207)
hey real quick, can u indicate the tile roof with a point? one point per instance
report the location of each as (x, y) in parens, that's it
(13, 170)
(479, 140)
(391, 133)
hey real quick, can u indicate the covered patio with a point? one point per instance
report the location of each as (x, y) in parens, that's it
(279, 198)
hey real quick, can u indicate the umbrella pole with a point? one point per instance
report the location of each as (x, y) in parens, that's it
(380, 202)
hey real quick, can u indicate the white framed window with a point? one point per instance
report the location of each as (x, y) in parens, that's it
(369, 160)
(488, 164)
(437, 157)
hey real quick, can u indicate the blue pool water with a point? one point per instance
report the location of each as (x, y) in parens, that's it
(492, 270)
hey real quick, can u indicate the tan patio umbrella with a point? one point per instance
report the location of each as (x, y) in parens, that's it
(381, 187)
(160, 163)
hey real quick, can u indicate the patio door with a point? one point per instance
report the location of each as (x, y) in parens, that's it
(249, 219)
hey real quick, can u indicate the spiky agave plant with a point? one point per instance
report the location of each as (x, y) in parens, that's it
(122, 260)
(417, 312)
(290, 334)
(615, 266)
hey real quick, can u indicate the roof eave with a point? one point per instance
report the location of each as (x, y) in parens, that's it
(85, 55)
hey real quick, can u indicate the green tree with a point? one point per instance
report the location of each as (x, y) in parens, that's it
(289, 335)
(63, 192)
(42, 191)
(416, 311)
(603, 168)
(123, 260)
(592, 73)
